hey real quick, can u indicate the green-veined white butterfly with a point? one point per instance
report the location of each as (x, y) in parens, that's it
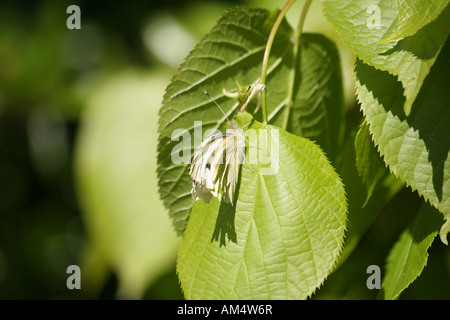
(215, 164)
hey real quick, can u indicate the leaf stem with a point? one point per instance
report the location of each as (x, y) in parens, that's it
(265, 63)
(301, 22)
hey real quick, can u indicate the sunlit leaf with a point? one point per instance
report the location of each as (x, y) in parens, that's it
(282, 238)
(362, 24)
(415, 14)
(415, 147)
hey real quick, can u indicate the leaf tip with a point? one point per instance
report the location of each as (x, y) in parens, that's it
(445, 229)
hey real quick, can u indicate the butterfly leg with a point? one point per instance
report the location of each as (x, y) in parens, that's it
(246, 161)
(251, 144)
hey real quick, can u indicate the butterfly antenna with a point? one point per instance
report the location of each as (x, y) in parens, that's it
(206, 92)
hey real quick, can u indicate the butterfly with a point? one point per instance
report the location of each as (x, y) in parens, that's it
(214, 168)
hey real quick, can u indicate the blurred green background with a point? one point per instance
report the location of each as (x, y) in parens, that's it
(78, 135)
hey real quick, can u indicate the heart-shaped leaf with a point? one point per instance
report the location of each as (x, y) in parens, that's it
(281, 239)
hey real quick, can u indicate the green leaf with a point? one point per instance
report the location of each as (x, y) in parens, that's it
(415, 147)
(229, 58)
(317, 110)
(362, 24)
(370, 166)
(280, 240)
(445, 230)
(409, 255)
(415, 14)
(115, 167)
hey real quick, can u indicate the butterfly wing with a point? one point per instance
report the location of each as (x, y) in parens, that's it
(204, 169)
(235, 148)
(215, 166)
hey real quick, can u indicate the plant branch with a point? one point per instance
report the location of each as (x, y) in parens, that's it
(301, 22)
